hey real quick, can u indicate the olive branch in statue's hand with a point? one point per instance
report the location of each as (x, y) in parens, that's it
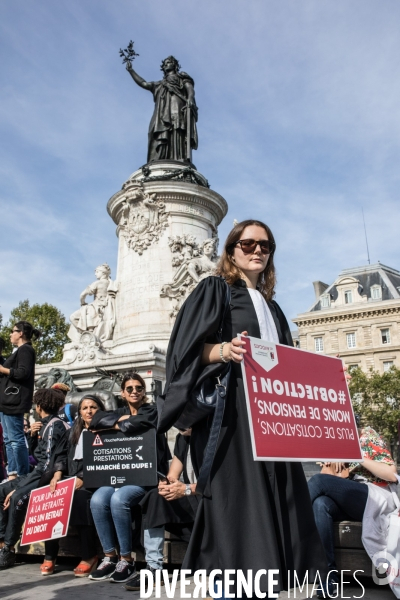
(129, 54)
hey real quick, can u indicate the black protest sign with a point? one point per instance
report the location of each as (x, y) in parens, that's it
(111, 458)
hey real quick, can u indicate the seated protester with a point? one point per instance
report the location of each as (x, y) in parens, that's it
(111, 508)
(80, 510)
(68, 412)
(171, 506)
(50, 451)
(343, 496)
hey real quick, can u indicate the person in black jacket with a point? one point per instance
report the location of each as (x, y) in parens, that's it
(111, 509)
(80, 511)
(50, 451)
(16, 392)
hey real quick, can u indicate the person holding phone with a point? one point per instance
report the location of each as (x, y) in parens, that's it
(16, 392)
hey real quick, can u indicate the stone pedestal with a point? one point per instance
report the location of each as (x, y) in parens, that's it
(163, 213)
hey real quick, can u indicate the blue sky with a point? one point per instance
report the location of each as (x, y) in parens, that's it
(299, 125)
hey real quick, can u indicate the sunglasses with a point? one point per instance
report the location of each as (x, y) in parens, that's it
(137, 388)
(16, 331)
(249, 246)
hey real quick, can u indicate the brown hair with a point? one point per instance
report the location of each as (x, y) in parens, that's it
(135, 377)
(226, 267)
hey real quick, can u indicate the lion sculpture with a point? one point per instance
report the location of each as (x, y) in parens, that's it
(58, 375)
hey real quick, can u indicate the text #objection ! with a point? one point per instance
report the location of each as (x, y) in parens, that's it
(298, 405)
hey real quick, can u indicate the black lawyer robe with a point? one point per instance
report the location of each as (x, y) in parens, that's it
(176, 515)
(254, 515)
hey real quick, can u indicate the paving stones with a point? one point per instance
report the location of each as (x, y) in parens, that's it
(24, 582)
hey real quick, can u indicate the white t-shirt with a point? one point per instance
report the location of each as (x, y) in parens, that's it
(265, 320)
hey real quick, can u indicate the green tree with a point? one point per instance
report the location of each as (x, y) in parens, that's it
(49, 320)
(376, 398)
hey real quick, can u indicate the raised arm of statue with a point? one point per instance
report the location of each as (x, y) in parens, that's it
(147, 85)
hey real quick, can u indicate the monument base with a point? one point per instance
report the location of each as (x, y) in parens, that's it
(150, 364)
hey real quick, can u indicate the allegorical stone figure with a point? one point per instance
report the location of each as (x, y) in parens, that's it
(97, 317)
(175, 113)
(194, 261)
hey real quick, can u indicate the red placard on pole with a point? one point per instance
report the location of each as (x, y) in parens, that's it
(298, 405)
(47, 517)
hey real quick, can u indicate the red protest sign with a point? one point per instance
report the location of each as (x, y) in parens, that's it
(298, 405)
(47, 517)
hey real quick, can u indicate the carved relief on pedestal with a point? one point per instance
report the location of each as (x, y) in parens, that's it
(193, 262)
(88, 349)
(143, 219)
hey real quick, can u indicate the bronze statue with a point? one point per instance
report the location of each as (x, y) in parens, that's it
(172, 131)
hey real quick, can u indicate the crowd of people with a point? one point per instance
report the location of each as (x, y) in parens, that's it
(249, 514)
(102, 517)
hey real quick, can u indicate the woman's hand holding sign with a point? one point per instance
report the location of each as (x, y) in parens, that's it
(236, 349)
(224, 352)
(56, 478)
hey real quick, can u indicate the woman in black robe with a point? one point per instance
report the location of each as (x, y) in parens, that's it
(253, 515)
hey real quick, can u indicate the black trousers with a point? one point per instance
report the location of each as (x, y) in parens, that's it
(88, 542)
(12, 518)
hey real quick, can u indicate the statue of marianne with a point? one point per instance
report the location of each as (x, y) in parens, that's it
(173, 97)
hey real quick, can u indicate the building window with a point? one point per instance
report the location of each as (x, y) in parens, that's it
(348, 297)
(376, 292)
(387, 365)
(352, 368)
(351, 340)
(325, 301)
(319, 344)
(385, 335)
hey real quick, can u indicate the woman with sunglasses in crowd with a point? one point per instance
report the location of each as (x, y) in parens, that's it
(111, 508)
(253, 515)
(16, 393)
(80, 511)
